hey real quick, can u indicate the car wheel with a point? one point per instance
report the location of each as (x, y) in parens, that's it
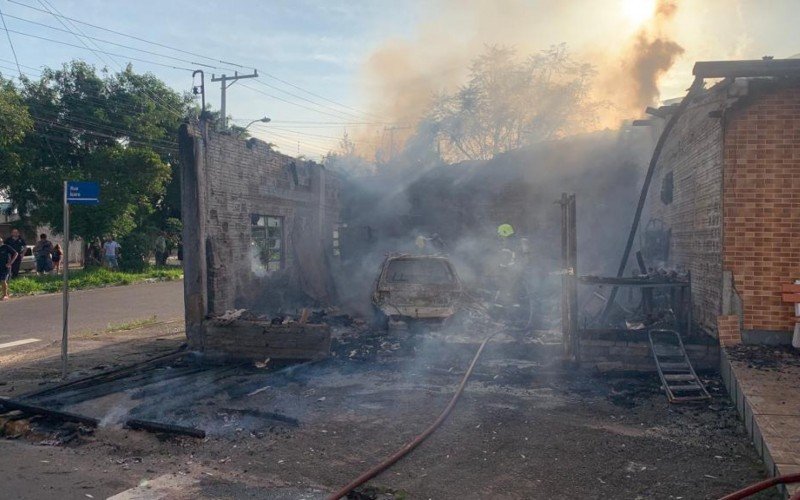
(380, 321)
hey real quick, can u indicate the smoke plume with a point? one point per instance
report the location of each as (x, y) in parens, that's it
(402, 76)
(651, 54)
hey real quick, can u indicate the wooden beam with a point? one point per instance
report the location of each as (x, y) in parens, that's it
(46, 412)
(146, 425)
(754, 68)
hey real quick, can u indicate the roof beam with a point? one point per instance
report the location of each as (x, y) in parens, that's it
(754, 68)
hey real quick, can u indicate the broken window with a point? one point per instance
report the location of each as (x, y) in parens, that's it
(267, 241)
(336, 251)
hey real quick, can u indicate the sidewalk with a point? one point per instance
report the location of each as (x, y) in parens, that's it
(763, 381)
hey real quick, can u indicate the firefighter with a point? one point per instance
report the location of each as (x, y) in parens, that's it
(507, 256)
(514, 260)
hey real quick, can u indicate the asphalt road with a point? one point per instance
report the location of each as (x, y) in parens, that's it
(27, 322)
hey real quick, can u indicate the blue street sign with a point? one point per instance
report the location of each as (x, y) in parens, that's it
(83, 193)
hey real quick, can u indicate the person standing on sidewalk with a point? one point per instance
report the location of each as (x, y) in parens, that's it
(57, 254)
(16, 242)
(44, 255)
(111, 250)
(160, 248)
(7, 257)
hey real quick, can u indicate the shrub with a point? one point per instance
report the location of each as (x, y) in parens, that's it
(135, 252)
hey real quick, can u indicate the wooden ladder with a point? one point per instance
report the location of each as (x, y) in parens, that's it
(679, 379)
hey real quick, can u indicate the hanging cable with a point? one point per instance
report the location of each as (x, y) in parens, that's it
(8, 35)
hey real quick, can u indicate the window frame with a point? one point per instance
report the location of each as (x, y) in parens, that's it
(270, 265)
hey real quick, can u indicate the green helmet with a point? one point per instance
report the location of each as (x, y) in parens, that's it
(505, 230)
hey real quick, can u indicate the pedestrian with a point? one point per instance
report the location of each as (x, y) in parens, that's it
(7, 257)
(16, 242)
(96, 252)
(111, 252)
(160, 247)
(44, 255)
(57, 254)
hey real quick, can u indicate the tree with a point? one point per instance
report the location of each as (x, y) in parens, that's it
(346, 159)
(117, 129)
(15, 122)
(508, 103)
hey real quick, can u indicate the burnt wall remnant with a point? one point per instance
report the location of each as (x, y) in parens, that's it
(259, 232)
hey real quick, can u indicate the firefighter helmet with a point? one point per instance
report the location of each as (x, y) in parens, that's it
(505, 230)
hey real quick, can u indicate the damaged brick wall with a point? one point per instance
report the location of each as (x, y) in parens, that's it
(228, 183)
(734, 163)
(692, 159)
(761, 203)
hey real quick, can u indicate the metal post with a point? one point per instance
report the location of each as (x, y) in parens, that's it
(223, 97)
(65, 332)
(222, 103)
(564, 278)
(573, 278)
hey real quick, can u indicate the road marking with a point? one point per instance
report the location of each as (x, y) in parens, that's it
(18, 342)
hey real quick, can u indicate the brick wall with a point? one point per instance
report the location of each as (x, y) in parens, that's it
(227, 180)
(762, 202)
(729, 330)
(693, 154)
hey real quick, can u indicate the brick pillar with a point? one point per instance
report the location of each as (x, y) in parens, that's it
(729, 330)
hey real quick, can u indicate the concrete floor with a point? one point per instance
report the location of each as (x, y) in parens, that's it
(763, 382)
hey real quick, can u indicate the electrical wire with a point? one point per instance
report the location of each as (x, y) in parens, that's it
(102, 51)
(195, 54)
(10, 43)
(45, 3)
(121, 45)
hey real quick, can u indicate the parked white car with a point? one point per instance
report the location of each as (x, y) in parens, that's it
(28, 260)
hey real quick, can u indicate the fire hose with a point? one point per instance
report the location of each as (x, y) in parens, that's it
(410, 446)
(763, 485)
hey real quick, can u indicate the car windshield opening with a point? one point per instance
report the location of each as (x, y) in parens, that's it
(419, 271)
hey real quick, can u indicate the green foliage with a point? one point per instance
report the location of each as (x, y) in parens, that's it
(15, 121)
(173, 226)
(117, 129)
(92, 277)
(135, 251)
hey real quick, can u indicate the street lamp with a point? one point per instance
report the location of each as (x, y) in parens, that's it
(262, 120)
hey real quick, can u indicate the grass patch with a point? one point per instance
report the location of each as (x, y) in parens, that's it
(132, 325)
(93, 277)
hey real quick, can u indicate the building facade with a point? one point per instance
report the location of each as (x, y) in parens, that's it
(259, 227)
(724, 202)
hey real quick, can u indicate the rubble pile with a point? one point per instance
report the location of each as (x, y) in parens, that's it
(764, 357)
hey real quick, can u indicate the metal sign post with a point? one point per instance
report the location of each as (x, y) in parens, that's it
(65, 308)
(75, 193)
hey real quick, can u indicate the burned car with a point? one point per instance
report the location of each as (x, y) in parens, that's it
(420, 287)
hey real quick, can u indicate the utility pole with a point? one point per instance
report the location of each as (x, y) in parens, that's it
(223, 87)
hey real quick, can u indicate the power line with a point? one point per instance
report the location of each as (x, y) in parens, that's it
(101, 51)
(314, 122)
(8, 35)
(195, 54)
(343, 113)
(134, 37)
(288, 101)
(122, 45)
(45, 3)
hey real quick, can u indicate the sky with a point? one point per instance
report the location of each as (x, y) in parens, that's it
(314, 57)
